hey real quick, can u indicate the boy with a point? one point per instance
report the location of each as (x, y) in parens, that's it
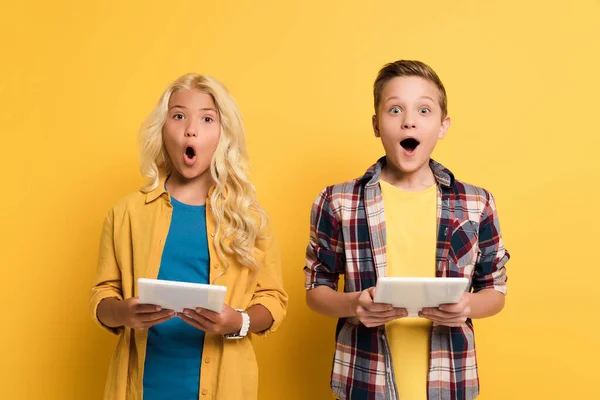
(407, 216)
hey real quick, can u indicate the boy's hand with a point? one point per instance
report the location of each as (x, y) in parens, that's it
(450, 314)
(132, 314)
(373, 314)
(223, 323)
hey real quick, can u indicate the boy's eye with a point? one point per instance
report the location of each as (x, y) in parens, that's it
(178, 116)
(395, 110)
(207, 119)
(424, 110)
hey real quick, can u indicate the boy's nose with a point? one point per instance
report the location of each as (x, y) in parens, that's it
(408, 120)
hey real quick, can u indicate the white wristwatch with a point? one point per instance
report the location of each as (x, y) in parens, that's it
(245, 326)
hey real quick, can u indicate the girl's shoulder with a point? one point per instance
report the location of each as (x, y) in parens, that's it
(135, 203)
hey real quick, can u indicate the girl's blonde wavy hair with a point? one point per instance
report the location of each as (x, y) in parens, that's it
(233, 200)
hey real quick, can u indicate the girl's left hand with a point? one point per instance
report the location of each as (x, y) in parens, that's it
(449, 314)
(226, 322)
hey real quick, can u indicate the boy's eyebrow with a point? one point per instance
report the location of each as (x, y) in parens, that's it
(398, 98)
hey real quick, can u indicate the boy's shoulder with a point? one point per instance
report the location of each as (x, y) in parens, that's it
(350, 187)
(471, 191)
(348, 195)
(353, 188)
(461, 189)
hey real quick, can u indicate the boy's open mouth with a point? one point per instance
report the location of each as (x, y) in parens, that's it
(190, 153)
(409, 144)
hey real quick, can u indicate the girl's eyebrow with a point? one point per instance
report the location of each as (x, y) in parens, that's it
(201, 109)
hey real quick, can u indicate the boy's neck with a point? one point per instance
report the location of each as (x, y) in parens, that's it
(415, 181)
(190, 191)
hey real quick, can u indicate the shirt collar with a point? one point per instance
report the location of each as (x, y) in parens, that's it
(442, 175)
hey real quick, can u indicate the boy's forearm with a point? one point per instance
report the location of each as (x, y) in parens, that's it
(486, 303)
(327, 301)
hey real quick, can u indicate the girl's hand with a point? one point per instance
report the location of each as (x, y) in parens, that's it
(132, 314)
(226, 322)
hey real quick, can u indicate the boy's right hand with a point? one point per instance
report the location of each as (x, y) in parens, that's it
(375, 314)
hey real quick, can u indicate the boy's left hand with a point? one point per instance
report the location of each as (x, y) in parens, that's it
(223, 323)
(449, 314)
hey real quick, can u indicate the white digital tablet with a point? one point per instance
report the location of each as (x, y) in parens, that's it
(179, 295)
(416, 293)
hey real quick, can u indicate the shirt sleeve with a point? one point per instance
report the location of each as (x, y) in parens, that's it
(269, 290)
(108, 274)
(325, 259)
(490, 270)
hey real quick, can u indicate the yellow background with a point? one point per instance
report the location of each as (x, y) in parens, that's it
(77, 79)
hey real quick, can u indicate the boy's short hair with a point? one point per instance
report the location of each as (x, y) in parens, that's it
(409, 68)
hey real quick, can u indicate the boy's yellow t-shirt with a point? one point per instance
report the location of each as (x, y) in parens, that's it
(411, 225)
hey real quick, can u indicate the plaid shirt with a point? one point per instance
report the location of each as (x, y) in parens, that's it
(348, 237)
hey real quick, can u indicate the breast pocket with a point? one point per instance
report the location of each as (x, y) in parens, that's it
(464, 245)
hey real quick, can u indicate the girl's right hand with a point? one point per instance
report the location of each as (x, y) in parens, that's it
(132, 314)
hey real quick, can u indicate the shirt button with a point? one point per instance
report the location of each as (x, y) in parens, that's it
(204, 392)
(217, 266)
(207, 360)
(212, 234)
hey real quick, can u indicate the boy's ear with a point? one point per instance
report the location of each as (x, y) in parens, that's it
(375, 126)
(444, 128)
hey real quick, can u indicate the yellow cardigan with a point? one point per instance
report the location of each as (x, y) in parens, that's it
(133, 237)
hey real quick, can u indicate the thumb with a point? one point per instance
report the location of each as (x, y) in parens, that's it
(371, 292)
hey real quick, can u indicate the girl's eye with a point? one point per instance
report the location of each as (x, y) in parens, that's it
(178, 116)
(207, 119)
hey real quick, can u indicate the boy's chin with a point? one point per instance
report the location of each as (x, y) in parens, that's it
(413, 165)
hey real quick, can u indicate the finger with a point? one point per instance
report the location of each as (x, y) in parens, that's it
(371, 322)
(451, 322)
(454, 308)
(149, 317)
(146, 308)
(393, 313)
(442, 315)
(149, 324)
(366, 300)
(197, 317)
(375, 307)
(457, 307)
(196, 324)
(208, 314)
(375, 319)
(444, 318)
